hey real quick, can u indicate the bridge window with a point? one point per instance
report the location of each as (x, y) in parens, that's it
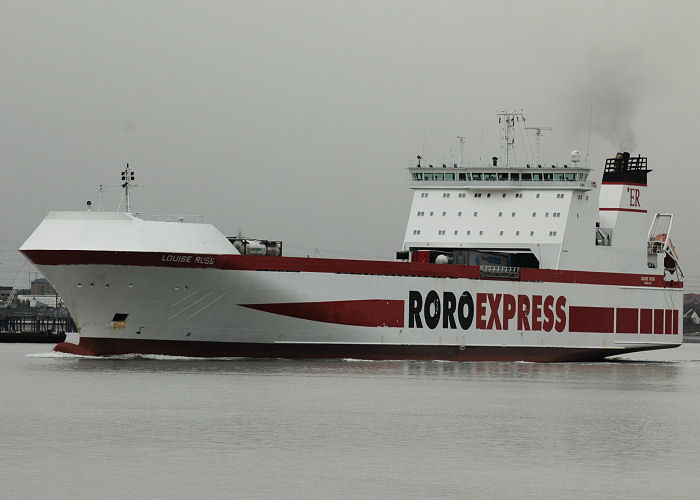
(449, 177)
(514, 177)
(502, 177)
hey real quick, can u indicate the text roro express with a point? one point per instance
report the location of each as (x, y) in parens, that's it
(491, 311)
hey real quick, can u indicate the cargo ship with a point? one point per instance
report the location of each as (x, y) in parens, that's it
(502, 260)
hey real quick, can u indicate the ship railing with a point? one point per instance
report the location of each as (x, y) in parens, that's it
(195, 219)
(487, 165)
(501, 272)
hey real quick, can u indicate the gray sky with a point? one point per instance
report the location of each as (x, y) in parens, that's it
(295, 120)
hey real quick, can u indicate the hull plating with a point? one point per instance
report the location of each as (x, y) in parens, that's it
(203, 311)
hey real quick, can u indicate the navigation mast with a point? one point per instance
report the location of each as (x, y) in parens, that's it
(127, 183)
(538, 134)
(507, 120)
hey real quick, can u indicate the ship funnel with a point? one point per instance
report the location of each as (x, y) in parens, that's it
(622, 201)
(622, 161)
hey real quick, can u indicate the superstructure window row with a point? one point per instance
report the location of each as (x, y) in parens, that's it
(443, 232)
(500, 176)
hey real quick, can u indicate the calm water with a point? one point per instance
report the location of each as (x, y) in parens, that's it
(174, 428)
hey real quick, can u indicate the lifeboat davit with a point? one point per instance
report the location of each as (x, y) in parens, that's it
(670, 258)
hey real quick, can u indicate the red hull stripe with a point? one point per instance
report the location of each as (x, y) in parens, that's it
(643, 184)
(659, 321)
(646, 321)
(675, 322)
(627, 320)
(631, 320)
(591, 319)
(637, 210)
(103, 346)
(337, 266)
(343, 312)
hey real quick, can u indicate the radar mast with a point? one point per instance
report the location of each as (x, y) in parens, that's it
(507, 121)
(127, 183)
(538, 134)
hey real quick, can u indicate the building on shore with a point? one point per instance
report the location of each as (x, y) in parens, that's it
(5, 292)
(41, 286)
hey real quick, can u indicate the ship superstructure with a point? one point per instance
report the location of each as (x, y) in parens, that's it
(505, 260)
(532, 215)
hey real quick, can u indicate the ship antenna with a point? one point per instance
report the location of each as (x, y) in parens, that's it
(538, 134)
(590, 121)
(461, 139)
(100, 198)
(481, 150)
(127, 183)
(507, 120)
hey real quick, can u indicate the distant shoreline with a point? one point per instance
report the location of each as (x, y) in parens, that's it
(691, 338)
